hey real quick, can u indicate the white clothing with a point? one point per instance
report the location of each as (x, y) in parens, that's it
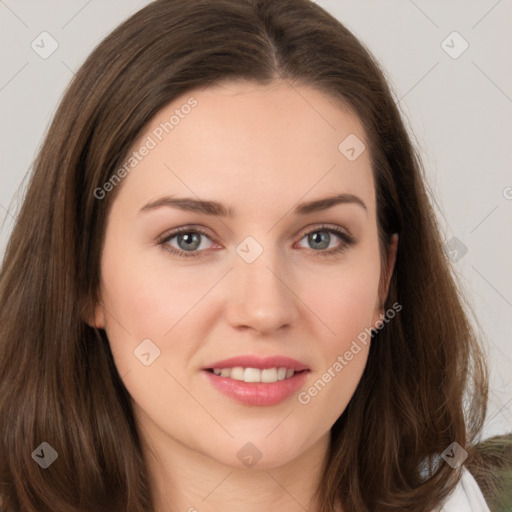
(466, 497)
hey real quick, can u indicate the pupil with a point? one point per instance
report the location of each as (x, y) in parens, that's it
(191, 241)
(321, 238)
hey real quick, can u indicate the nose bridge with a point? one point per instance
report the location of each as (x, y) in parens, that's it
(262, 298)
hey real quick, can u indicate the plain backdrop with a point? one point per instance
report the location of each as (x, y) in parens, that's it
(449, 65)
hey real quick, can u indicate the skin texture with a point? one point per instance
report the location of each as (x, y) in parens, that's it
(260, 150)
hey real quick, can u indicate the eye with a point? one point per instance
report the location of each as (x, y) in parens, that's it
(325, 240)
(186, 242)
(190, 241)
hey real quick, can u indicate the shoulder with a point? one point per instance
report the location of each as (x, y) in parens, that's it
(466, 497)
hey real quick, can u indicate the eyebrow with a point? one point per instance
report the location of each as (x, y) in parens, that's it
(218, 209)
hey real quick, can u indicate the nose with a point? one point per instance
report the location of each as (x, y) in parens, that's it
(261, 295)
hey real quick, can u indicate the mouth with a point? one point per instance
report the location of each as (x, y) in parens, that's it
(255, 380)
(248, 374)
(252, 380)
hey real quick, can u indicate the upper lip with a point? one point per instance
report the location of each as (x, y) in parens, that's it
(250, 361)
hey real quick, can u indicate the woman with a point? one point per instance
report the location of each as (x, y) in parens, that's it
(226, 286)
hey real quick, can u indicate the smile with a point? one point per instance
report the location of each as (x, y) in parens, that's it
(251, 388)
(267, 375)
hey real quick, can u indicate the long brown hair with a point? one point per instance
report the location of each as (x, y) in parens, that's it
(425, 383)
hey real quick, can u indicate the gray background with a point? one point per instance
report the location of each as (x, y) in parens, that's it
(458, 110)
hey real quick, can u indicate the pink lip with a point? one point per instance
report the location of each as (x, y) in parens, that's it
(259, 362)
(257, 393)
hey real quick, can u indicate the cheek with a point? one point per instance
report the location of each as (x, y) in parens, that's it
(343, 354)
(143, 300)
(144, 296)
(345, 299)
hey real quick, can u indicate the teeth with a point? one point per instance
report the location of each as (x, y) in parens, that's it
(268, 375)
(237, 373)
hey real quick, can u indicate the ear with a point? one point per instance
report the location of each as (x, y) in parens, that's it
(94, 316)
(386, 276)
(392, 249)
(99, 316)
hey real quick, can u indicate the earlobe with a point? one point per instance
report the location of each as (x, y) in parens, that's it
(99, 317)
(99, 311)
(94, 315)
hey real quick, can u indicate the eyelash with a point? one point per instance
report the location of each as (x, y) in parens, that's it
(347, 239)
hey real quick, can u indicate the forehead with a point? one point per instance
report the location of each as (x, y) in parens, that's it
(247, 141)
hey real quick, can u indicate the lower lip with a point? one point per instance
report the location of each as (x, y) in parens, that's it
(257, 393)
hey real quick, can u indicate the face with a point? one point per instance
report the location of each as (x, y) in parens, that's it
(263, 270)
